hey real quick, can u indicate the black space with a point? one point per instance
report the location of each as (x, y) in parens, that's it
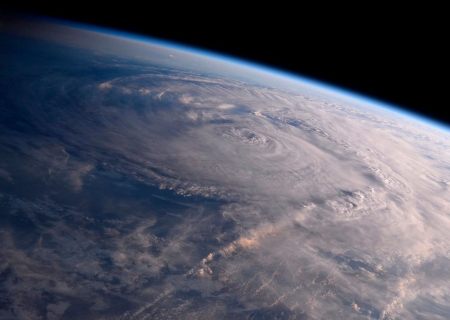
(398, 57)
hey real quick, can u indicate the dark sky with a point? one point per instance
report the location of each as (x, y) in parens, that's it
(397, 57)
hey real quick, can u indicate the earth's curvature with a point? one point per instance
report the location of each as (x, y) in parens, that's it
(140, 181)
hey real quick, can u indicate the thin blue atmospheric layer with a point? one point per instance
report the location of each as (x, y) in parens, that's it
(349, 94)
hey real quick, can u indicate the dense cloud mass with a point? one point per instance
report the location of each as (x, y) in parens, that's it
(132, 191)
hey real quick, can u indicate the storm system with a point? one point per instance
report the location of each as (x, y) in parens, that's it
(182, 187)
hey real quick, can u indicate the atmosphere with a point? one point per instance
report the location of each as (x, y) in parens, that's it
(283, 74)
(388, 55)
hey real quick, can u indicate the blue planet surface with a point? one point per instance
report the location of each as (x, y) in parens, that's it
(144, 180)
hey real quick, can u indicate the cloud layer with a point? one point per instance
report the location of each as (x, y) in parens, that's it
(132, 192)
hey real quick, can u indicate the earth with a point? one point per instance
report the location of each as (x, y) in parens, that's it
(144, 180)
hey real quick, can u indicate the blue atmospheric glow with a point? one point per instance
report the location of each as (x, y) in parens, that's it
(399, 110)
